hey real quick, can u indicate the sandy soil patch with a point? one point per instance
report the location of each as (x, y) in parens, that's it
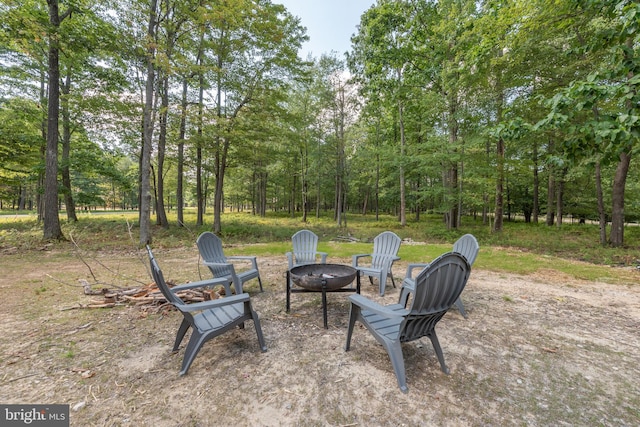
(536, 350)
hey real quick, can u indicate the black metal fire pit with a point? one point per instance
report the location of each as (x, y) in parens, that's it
(314, 277)
(321, 278)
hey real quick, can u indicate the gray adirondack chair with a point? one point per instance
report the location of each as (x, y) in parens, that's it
(417, 312)
(210, 247)
(385, 252)
(305, 249)
(207, 319)
(466, 245)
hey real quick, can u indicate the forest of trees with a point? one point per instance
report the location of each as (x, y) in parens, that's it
(492, 108)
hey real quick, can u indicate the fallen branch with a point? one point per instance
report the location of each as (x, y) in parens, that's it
(92, 305)
(346, 239)
(146, 296)
(20, 378)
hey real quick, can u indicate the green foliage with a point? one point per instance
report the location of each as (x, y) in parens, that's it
(555, 81)
(20, 139)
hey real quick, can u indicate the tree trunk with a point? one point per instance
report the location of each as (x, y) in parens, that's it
(43, 146)
(617, 200)
(536, 184)
(304, 163)
(264, 179)
(498, 220)
(339, 208)
(377, 185)
(560, 197)
(161, 214)
(218, 200)
(550, 189)
(403, 195)
(70, 205)
(500, 149)
(601, 212)
(147, 129)
(292, 196)
(551, 186)
(200, 196)
(220, 157)
(52, 230)
(22, 198)
(485, 196)
(365, 202)
(199, 187)
(181, 136)
(219, 162)
(452, 172)
(318, 188)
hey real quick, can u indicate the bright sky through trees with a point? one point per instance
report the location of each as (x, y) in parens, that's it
(330, 23)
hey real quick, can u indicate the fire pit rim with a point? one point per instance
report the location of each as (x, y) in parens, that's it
(313, 280)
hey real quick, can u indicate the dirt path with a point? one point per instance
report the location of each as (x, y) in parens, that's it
(537, 350)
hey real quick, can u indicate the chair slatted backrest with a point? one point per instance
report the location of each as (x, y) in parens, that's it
(385, 245)
(467, 245)
(210, 247)
(158, 277)
(437, 288)
(305, 247)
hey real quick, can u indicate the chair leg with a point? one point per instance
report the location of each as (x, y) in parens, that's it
(195, 342)
(460, 306)
(182, 330)
(256, 324)
(382, 279)
(260, 282)
(438, 349)
(397, 361)
(353, 315)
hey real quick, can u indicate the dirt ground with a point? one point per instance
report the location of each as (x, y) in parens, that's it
(537, 350)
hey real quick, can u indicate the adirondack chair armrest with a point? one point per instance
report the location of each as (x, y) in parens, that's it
(411, 267)
(245, 258)
(201, 284)
(252, 259)
(220, 302)
(323, 257)
(218, 264)
(366, 304)
(408, 287)
(289, 256)
(356, 258)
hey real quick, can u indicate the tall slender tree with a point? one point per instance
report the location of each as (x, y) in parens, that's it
(52, 229)
(147, 127)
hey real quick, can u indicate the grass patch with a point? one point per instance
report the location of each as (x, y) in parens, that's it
(520, 249)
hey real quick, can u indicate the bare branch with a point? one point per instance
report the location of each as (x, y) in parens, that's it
(80, 257)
